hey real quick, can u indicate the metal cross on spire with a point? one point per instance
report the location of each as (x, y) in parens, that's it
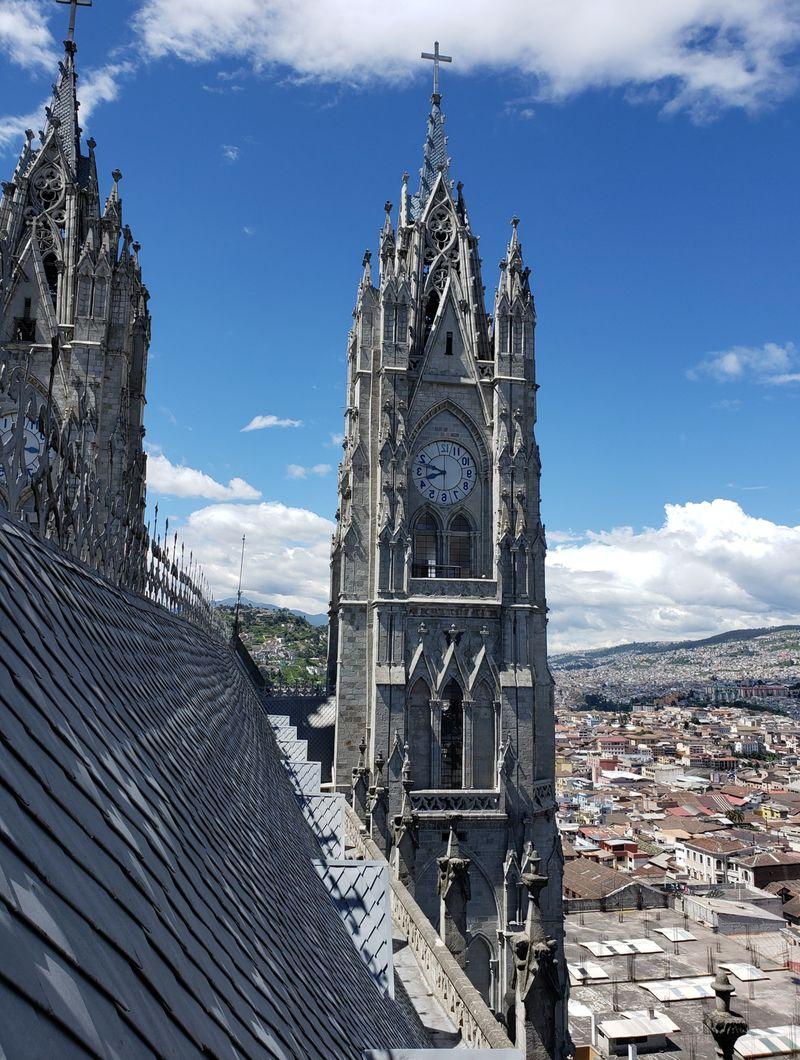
(73, 10)
(435, 55)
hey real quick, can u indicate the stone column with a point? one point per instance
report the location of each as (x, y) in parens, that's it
(536, 985)
(725, 1026)
(406, 832)
(454, 893)
(360, 784)
(436, 743)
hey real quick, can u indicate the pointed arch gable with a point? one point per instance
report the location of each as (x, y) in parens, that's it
(476, 433)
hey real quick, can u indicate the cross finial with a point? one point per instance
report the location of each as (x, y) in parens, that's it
(73, 8)
(435, 55)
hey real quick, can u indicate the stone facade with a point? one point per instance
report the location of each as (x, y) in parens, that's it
(438, 651)
(73, 308)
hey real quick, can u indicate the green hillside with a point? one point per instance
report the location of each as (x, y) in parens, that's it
(286, 647)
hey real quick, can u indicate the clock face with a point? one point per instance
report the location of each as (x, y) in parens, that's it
(444, 472)
(32, 445)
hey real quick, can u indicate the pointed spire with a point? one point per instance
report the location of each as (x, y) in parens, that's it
(513, 275)
(63, 114)
(434, 158)
(366, 276)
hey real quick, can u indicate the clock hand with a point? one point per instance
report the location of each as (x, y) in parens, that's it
(434, 471)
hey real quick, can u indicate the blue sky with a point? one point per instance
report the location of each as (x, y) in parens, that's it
(655, 170)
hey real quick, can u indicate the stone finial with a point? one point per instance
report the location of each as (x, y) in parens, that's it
(726, 1026)
(380, 762)
(454, 893)
(388, 207)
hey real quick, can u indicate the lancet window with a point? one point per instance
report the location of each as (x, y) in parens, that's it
(453, 736)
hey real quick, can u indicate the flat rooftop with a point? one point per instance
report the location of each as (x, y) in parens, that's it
(772, 1001)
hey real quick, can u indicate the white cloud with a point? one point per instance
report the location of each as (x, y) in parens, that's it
(102, 86)
(297, 471)
(709, 567)
(699, 54)
(24, 36)
(176, 480)
(335, 441)
(287, 552)
(230, 152)
(248, 231)
(768, 365)
(258, 423)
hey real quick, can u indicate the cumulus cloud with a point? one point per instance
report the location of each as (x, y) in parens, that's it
(24, 36)
(258, 423)
(298, 471)
(177, 480)
(709, 567)
(230, 152)
(698, 54)
(287, 554)
(767, 365)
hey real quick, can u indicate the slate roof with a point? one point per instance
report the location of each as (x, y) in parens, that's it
(157, 891)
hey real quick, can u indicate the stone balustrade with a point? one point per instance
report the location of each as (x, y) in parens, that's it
(466, 588)
(455, 801)
(450, 986)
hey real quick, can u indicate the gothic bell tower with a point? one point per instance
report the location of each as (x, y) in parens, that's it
(438, 650)
(73, 307)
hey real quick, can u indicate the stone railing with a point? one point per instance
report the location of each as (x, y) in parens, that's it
(468, 588)
(445, 979)
(52, 486)
(544, 796)
(455, 801)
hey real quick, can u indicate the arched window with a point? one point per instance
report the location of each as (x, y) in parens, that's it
(460, 547)
(426, 546)
(452, 736)
(419, 734)
(51, 275)
(483, 738)
(479, 968)
(431, 309)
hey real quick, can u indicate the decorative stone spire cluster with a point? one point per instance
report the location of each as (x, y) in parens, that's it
(69, 271)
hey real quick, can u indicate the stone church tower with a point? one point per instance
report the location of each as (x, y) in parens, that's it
(438, 650)
(69, 271)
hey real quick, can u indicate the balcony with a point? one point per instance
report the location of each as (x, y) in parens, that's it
(438, 570)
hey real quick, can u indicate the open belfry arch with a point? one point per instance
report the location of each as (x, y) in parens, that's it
(438, 644)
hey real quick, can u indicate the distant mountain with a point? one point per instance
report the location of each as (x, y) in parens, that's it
(568, 659)
(314, 620)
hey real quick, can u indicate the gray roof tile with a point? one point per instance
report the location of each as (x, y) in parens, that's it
(158, 893)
